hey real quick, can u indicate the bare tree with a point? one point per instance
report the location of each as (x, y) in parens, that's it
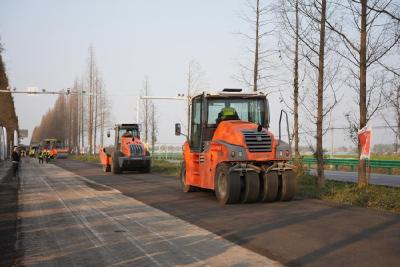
(91, 79)
(289, 21)
(8, 117)
(317, 50)
(253, 73)
(82, 111)
(321, 65)
(377, 23)
(154, 127)
(94, 87)
(146, 111)
(392, 101)
(195, 82)
(105, 110)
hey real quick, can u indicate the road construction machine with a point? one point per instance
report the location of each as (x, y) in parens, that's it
(128, 153)
(55, 147)
(231, 150)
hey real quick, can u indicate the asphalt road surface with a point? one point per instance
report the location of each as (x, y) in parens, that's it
(296, 233)
(67, 220)
(8, 214)
(375, 178)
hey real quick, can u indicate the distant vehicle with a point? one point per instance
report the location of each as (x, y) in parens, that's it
(55, 147)
(128, 153)
(231, 150)
(33, 150)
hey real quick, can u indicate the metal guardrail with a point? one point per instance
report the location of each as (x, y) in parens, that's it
(336, 162)
(385, 164)
(167, 156)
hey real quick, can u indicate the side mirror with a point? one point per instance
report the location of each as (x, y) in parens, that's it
(108, 134)
(177, 129)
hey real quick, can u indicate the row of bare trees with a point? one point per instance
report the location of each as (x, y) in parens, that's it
(148, 117)
(80, 115)
(320, 42)
(8, 117)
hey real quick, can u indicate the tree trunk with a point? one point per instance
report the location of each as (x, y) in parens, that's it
(95, 115)
(102, 118)
(188, 97)
(320, 96)
(82, 121)
(296, 87)
(362, 168)
(146, 124)
(255, 72)
(90, 123)
(153, 128)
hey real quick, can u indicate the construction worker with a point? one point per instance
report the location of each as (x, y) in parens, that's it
(15, 157)
(47, 156)
(41, 156)
(227, 113)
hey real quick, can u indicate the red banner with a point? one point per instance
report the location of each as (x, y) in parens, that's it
(364, 137)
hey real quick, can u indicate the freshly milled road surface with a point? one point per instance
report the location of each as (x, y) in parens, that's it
(297, 233)
(67, 220)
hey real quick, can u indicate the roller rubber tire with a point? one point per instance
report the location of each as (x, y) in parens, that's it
(288, 186)
(115, 164)
(146, 168)
(227, 185)
(106, 168)
(251, 188)
(269, 187)
(185, 188)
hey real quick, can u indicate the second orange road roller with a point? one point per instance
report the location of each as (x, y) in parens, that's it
(128, 153)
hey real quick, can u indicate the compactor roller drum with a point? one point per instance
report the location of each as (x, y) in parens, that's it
(106, 168)
(227, 185)
(186, 188)
(288, 186)
(146, 168)
(115, 164)
(269, 186)
(251, 188)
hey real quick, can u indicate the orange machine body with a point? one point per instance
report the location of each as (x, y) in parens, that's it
(201, 166)
(128, 153)
(105, 154)
(229, 142)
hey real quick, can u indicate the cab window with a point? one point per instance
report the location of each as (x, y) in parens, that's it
(195, 131)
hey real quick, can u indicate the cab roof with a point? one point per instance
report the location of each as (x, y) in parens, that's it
(127, 125)
(231, 93)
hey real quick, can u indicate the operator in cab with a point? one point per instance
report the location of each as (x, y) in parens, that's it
(128, 133)
(227, 113)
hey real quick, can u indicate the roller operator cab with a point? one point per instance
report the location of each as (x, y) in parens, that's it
(128, 153)
(231, 150)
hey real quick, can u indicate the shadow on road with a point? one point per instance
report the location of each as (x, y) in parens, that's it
(296, 233)
(8, 217)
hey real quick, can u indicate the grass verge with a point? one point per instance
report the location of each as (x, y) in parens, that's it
(166, 167)
(88, 158)
(372, 196)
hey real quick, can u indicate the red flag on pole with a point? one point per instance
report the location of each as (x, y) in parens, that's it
(364, 136)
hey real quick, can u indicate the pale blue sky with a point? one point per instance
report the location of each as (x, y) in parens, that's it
(46, 45)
